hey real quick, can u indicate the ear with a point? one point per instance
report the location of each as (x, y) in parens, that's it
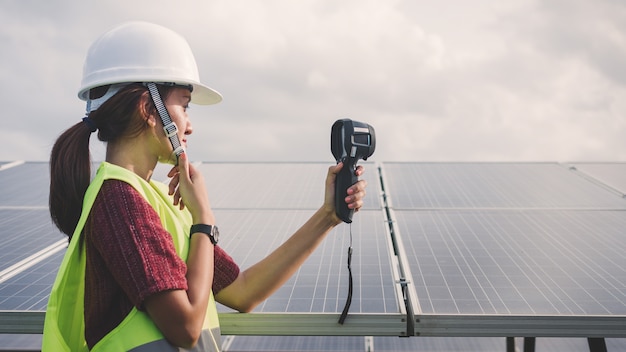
(146, 110)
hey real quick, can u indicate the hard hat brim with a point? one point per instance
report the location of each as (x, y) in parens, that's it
(201, 95)
(204, 95)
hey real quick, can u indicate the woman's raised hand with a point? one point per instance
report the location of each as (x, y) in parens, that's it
(188, 188)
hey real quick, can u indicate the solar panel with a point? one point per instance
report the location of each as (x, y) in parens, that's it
(499, 248)
(276, 195)
(493, 185)
(278, 198)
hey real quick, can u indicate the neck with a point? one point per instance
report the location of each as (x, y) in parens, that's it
(131, 157)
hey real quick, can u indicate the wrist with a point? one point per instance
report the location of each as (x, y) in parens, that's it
(211, 231)
(329, 217)
(205, 218)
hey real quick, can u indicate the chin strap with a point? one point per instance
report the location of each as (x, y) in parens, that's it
(344, 314)
(169, 126)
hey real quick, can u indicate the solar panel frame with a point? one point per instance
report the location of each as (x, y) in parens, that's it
(612, 175)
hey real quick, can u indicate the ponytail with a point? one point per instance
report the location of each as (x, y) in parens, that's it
(70, 173)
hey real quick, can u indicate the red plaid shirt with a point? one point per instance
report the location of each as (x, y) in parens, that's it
(130, 256)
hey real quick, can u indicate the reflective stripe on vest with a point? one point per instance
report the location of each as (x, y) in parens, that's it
(64, 328)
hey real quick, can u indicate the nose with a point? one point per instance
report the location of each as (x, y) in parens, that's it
(189, 127)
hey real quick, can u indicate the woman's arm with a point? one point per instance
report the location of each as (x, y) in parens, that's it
(258, 282)
(180, 314)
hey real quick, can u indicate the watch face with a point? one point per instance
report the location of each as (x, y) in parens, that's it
(215, 233)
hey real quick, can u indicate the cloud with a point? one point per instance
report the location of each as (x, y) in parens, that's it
(449, 80)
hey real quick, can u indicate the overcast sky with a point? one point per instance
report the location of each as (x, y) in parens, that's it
(445, 80)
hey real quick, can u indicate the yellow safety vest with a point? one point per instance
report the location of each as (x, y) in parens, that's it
(64, 326)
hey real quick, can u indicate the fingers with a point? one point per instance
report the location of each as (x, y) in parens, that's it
(188, 189)
(174, 185)
(359, 170)
(183, 168)
(356, 194)
(358, 187)
(173, 189)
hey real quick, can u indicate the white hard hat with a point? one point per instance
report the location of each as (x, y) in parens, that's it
(143, 52)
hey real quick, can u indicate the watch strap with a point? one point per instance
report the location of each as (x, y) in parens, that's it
(205, 229)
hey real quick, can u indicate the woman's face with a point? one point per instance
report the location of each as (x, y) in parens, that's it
(176, 103)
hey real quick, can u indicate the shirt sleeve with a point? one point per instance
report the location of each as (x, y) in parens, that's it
(225, 270)
(137, 250)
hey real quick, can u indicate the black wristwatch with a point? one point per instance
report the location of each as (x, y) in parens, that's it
(209, 230)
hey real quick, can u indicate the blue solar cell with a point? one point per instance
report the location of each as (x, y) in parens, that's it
(25, 185)
(25, 231)
(30, 289)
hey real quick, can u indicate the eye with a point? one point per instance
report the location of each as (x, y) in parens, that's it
(186, 107)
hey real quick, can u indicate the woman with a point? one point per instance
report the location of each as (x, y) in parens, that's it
(143, 269)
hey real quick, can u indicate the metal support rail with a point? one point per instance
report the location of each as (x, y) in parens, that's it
(276, 324)
(521, 326)
(21, 322)
(403, 267)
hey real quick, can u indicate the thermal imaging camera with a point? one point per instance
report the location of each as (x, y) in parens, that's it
(349, 142)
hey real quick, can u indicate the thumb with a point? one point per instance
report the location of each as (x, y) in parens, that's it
(334, 171)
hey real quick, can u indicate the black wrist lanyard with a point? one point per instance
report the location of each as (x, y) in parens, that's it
(344, 314)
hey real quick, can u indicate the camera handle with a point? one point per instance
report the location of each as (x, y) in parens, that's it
(345, 178)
